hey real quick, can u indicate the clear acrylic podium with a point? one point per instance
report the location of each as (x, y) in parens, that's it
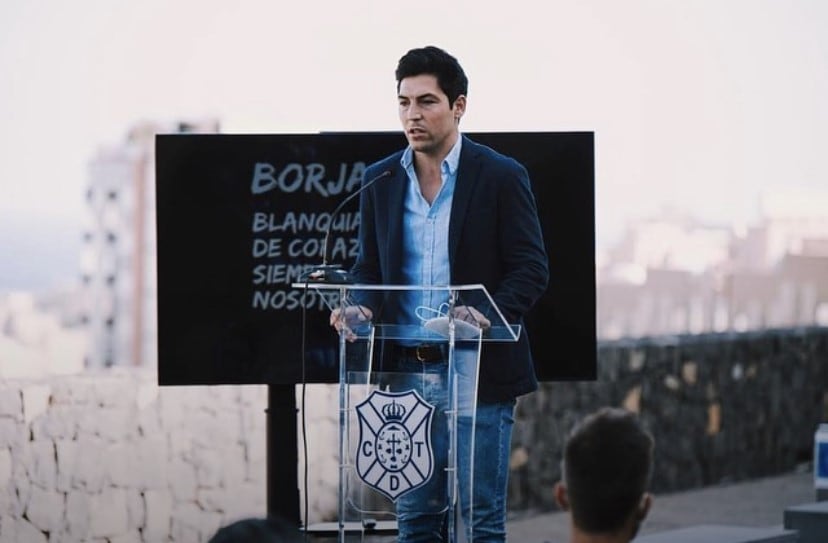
(408, 375)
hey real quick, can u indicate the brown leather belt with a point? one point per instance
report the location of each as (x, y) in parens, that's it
(422, 353)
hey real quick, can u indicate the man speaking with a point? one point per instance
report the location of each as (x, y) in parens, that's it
(454, 212)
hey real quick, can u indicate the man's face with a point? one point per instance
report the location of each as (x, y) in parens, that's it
(429, 121)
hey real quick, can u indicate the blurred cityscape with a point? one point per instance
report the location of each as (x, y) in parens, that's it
(673, 274)
(668, 274)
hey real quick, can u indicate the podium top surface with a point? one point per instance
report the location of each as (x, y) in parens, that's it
(421, 313)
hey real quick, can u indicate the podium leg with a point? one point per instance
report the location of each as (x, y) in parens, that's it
(282, 455)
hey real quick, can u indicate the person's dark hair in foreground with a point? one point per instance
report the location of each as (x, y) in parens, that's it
(607, 465)
(258, 530)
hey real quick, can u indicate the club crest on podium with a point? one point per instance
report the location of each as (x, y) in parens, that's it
(395, 454)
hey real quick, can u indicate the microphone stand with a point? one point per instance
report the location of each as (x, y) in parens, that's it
(333, 274)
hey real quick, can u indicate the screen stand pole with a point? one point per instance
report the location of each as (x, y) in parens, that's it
(282, 455)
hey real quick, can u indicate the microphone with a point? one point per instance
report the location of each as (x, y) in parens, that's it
(333, 273)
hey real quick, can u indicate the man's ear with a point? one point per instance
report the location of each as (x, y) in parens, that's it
(644, 506)
(459, 107)
(561, 495)
(640, 514)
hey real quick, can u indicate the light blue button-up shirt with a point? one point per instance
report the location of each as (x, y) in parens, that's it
(425, 232)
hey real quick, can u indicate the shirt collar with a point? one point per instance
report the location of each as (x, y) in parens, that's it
(451, 162)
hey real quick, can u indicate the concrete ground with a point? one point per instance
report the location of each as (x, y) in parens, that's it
(757, 503)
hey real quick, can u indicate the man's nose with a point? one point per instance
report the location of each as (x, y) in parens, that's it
(412, 112)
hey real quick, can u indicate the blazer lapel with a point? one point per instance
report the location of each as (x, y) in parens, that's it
(468, 170)
(394, 213)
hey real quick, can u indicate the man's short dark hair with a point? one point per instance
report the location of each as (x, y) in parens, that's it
(607, 467)
(434, 61)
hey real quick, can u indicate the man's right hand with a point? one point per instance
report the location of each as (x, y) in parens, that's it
(348, 318)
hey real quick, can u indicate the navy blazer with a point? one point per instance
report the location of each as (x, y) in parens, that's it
(494, 239)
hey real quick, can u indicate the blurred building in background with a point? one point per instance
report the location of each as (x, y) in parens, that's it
(118, 271)
(673, 274)
(669, 274)
(41, 334)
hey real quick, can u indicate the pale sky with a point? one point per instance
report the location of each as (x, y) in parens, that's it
(701, 104)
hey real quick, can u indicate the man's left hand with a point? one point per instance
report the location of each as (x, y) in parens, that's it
(471, 315)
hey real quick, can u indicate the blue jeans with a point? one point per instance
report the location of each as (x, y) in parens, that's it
(422, 513)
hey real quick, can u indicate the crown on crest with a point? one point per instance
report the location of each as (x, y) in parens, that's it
(393, 411)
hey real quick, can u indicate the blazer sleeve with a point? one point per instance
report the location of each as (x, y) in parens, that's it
(524, 262)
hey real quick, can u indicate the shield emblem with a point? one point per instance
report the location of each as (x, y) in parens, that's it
(395, 454)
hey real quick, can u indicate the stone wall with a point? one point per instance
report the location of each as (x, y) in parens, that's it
(111, 457)
(722, 407)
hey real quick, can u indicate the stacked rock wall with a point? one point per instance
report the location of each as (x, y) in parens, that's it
(722, 407)
(110, 457)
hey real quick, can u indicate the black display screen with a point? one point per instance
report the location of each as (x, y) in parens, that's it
(241, 217)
